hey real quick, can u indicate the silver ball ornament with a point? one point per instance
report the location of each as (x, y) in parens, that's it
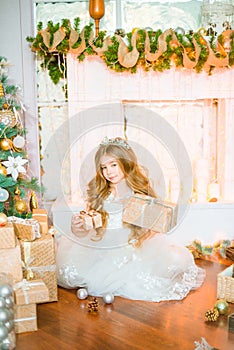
(6, 290)
(3, 332)
(7, 345)
(2, 302)
(9, 325)
(108, 298)
(9, 302)
(4, 195)
(4, 315)
(82, 293)
(19, 141)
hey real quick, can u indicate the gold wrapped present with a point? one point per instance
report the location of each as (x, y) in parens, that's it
(150, 213)
(225, 284)
(25, 229)
(38, 258)
(42, 217)
(10, 262)
(25, 318)
(91, 219)
(7, 236)
(30, 292)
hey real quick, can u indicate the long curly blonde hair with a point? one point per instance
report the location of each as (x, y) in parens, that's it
(136, 179)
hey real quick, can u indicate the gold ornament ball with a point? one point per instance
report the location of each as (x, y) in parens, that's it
(3, 219)
(222, 306)
(5, 105)
(5, 144)
(21, 206)
(3, 170)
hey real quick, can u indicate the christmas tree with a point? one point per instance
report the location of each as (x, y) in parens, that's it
(17, 190)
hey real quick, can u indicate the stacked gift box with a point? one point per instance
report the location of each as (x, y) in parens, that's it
(27, 253)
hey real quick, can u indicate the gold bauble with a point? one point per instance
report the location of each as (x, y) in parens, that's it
(3, 219)
(222, 306)
(5, 144)
(21, 206)
(3, 170)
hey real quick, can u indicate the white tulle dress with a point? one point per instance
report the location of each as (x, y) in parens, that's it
(158, 270)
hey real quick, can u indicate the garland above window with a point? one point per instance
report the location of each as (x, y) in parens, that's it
(148, 49)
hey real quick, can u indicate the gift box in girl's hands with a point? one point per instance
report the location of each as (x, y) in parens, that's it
(150, 213)
(91, 219)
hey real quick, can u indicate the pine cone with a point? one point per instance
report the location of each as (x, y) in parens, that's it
(212, 315)
(93, 305)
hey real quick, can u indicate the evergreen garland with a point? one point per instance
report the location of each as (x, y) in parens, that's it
(55, 61)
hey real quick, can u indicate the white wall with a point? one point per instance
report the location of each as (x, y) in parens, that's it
(16, 23)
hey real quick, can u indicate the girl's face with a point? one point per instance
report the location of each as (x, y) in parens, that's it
(111, 169)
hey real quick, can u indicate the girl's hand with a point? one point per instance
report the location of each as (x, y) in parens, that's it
(77, 225)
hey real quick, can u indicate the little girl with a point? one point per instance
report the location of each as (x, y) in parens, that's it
(117, 258)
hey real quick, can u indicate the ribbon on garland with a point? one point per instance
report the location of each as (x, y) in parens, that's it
(58, 36)
(128, 58)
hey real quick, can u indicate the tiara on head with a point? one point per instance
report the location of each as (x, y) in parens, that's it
(116, 141)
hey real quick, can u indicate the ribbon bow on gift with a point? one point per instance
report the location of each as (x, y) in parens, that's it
(29, 269)
(25, 286)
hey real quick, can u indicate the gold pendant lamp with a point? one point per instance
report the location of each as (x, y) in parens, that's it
(96, 11)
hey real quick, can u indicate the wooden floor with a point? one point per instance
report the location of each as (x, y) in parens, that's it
(131, 325)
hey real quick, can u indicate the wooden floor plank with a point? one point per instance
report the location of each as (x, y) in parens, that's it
(131, 325)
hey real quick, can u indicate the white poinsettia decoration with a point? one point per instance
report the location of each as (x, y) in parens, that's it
(15, 166)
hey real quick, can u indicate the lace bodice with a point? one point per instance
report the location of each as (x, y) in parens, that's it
(114, 208)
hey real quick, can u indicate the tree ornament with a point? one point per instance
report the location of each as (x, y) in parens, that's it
(1, 90)
(222, 306)
(3, 170)
(19, 141)
(108, 298)
(5, 144)
(5, 105)
(212, 315)
(21, 206)
(8, 118)
(14, 166)
(33, 202)
(4, 195)
(17, 191)
(82, 293)
(3, 222)
(93, 305)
